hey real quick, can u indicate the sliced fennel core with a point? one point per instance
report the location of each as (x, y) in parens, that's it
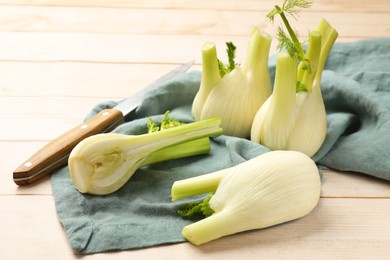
(103, 163)
(271, 189)
(236, 97)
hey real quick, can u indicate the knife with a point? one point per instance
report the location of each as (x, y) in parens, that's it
(55, 154)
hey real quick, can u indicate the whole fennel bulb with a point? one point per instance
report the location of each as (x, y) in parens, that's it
(236, 97)
(273, 188)
(294, 116)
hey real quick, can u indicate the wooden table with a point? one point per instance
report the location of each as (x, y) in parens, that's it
(59, 58)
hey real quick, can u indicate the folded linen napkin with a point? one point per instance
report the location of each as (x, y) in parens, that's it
(356, 90)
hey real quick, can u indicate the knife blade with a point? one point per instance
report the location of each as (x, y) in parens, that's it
(55, 154)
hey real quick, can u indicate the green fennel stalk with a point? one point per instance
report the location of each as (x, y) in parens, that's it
(290, 42)
(210, 78)
(191, 148)
(198, 185)
(291, 7)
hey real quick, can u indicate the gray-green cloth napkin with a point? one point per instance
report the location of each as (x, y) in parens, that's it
(356, 90)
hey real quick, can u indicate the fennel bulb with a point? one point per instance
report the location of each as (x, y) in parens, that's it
(270, 189)
(294, 116)
(103, 163)
(236, 98)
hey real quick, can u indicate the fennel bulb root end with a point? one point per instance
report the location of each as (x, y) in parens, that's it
(208, 229)
(82, 181)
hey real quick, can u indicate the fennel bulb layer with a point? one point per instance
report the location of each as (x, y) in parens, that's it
(210, 78)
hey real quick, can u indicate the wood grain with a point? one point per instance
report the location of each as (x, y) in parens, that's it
(175, 21)
(59, 79)
(336, 229)
(59, 58)
(261, 5)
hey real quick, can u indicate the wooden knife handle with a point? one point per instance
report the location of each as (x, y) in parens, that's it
(55, 154)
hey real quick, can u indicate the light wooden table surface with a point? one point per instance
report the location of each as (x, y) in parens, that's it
(59, 58)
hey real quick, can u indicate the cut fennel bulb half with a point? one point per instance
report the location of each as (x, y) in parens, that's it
(103, 163)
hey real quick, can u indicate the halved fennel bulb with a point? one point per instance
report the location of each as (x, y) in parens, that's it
(103, 163)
